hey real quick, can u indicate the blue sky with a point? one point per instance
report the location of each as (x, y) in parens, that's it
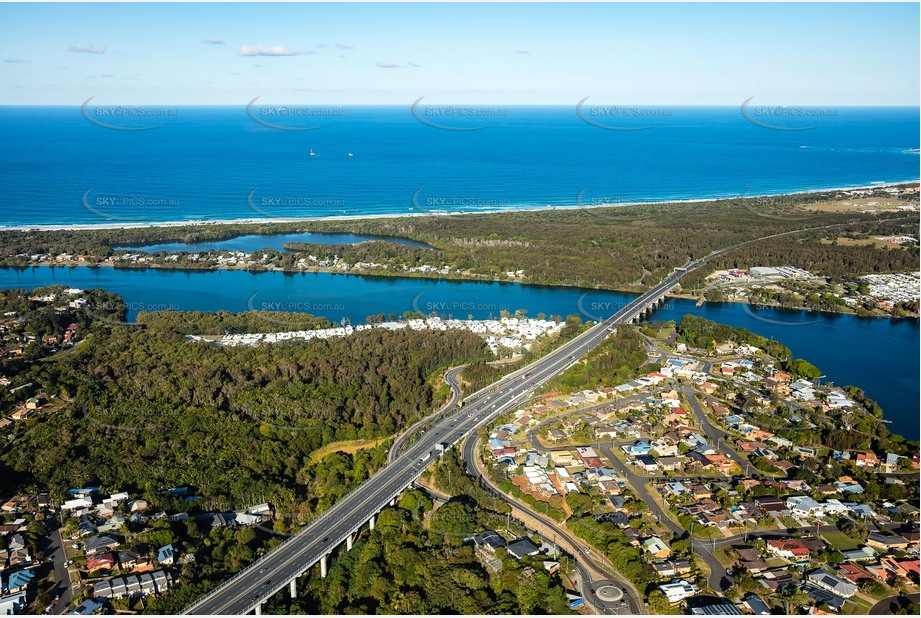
(675, 54)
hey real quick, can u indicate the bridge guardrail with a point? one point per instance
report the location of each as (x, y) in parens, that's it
(628, 310)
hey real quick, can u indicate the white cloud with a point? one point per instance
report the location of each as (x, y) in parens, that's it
(393, 65)
(87, 49)
(268, 50)
(212, 41)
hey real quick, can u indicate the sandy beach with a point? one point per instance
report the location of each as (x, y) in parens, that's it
(400, 215)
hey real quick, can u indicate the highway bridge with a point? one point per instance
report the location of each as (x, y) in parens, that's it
(279, 569)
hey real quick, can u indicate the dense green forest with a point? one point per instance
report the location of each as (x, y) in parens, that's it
(227, 322)
(818, 252)
(617, 359)
(376, 251)
(146, 409)
(702, 333)
(420, 561)
(626, 247)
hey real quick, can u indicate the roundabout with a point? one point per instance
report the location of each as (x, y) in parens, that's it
(606, 596)
(609, 593)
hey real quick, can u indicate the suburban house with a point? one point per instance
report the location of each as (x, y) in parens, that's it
(166, 555)
(489, 540)
(523, 547)
(804, 506)
(755, 604)
(101, 543)
(880, 540)
(678, 591)
(647, 463)
(832, 583)
(657, 547)
(790, 549)
(144, 584)
(100, 562)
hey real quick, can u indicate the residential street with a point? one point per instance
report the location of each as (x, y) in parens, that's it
(717, 435)
(562, 537)
(62, 584)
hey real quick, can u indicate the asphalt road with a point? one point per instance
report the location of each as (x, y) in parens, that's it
(634, 604)
(270, 574)
(889, 605)
(62, 585)
(715, 434)
(450, 378)
(718, 580)
(246, 590)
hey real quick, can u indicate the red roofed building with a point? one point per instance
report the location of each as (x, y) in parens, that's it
(720, 462)
(98, 562)
(854, 573)
(675, 415)
(791, 549)
(911, 567)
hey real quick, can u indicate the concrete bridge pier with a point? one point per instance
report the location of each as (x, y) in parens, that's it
(394, 501)
(349, 541)
(371, 522)
(323, 566)
(259, 609)
(292, 588)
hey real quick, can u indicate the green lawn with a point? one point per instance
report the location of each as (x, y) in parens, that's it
(856, 605)
(840, 541)
(789, 522)
(722, 555)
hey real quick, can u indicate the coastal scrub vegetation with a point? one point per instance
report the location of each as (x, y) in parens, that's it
(420, 560)
(142, 408)
(619, 248)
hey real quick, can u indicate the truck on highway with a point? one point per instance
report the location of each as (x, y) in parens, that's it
(425, 457)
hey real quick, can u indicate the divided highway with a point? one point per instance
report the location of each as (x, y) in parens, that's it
(245, 591)
(248, 589)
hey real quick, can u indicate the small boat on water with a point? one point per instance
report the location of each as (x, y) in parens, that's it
(312, 153)
(351, 155)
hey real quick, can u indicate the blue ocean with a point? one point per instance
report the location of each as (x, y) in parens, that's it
(91, 165)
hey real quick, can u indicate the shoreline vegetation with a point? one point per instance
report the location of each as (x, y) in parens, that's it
(133, 406)
(622, 248)
(524, 209)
